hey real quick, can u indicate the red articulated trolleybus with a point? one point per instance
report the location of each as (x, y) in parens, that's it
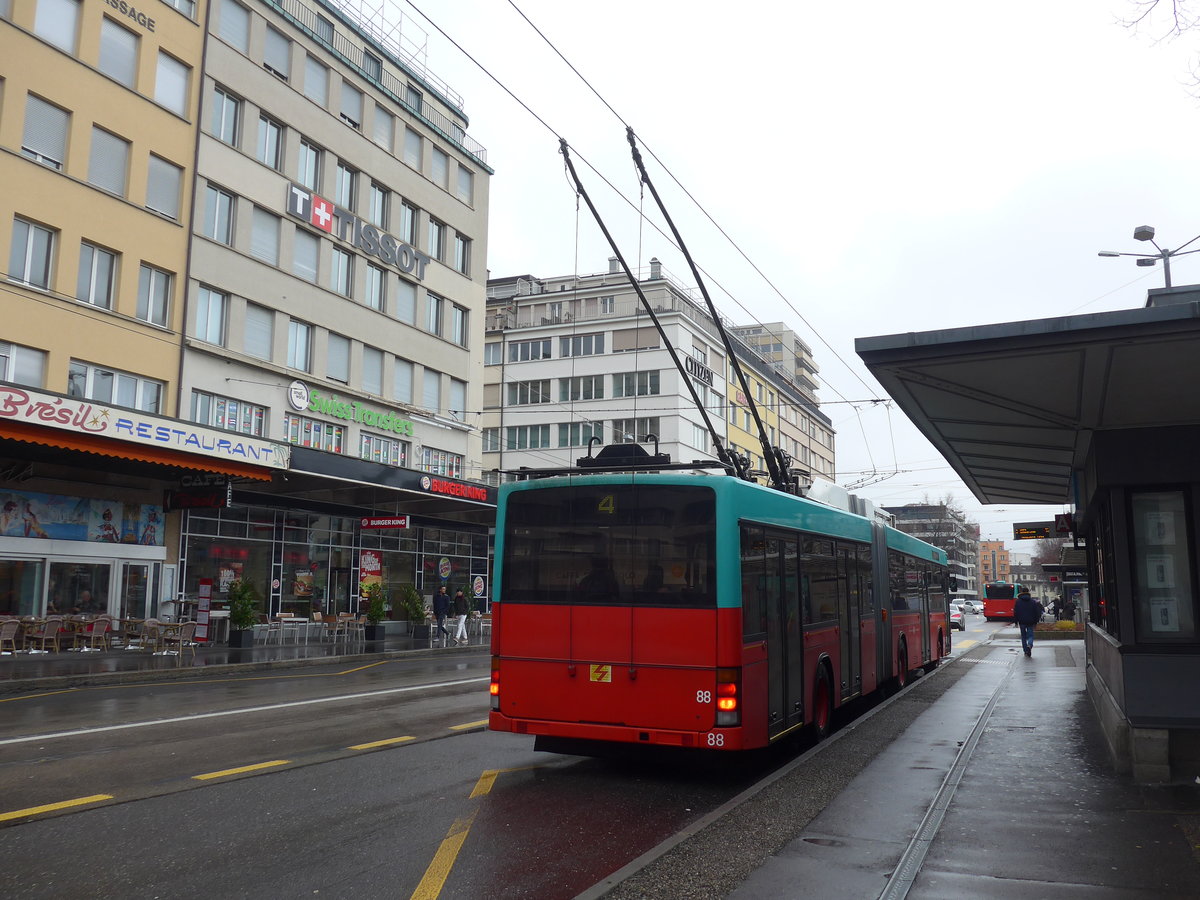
(698, 611)
(998, 599)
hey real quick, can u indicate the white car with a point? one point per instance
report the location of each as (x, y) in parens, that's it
(975, 606)
(958, 617)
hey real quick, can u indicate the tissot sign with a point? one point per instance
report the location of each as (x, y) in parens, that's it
(345, 226)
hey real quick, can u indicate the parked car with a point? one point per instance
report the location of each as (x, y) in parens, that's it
(958, 617)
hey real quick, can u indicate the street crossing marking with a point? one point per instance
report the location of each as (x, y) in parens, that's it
(240, 769)
(51, 807)
(373, 744)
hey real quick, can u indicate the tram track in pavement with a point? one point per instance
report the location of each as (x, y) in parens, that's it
(712, 857)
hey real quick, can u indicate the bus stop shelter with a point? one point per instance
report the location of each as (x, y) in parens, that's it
(1100, 413)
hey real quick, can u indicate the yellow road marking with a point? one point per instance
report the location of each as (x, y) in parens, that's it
(358, 669)
(964, 642)
(51, 807)
(435, 876)
(241, 769)
(35, 696)
(384, 743)
(466, 725)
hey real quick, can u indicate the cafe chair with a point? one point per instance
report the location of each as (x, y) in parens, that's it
(94, 635)
(183, 637)
(9, 630)
(46, 633)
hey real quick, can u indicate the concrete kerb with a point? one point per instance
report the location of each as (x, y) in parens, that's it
(179, 673)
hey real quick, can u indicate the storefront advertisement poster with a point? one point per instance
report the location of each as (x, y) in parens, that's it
(1164, 614)
(1160, 528)
(1160, 571)
(56, 517)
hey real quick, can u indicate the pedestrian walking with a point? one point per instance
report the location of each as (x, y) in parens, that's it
(441, 609)
(461, 609)
(1027, 612)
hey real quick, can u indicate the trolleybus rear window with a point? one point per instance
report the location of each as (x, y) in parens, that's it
(630, 545)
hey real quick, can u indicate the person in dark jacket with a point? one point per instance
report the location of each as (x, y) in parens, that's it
(441, 609)
(1027, 612)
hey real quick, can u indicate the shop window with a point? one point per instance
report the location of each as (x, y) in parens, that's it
(1164, 587)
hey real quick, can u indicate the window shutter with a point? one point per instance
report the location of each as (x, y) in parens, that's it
(162, 187)
(258, 331)
(277, 53)
(46, 129)
(109, 161)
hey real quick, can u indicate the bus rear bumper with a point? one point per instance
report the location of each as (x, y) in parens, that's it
(716, 739)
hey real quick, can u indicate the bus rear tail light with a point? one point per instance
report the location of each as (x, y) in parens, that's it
(494, 687)
(729, 712)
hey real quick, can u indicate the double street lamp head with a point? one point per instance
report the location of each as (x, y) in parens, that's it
(1146, 233)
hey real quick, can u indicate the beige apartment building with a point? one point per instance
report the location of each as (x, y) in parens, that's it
(994, 562)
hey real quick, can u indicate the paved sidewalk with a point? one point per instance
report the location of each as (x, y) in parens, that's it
(41, 671)
(1027, 802)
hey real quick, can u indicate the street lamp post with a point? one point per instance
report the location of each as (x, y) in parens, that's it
(1146, 233)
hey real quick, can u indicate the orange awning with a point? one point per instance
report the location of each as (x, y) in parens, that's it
(87, 443)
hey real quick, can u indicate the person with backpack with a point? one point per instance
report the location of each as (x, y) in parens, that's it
(1027, 612)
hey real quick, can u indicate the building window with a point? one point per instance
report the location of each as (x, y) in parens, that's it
(632, 431)
(441, 462)
(162, 187)
(32, 254)
(524, 351)
(408, 224)
(582, 345)
(324, 29)
(412, 99)
(466, 185)
(97, 275)
(523, 393)
(277, 54)
(218, 215)
(352, 106)
(112, 386)
(341, 272)
(225, 111)
(305, 250)
(459, 318)
(402, 380)
(578, 434)
(431, 390)
(384, 450)
(527, 437)
(700, 438)
(608, 305)
(154, 295)
(108, 162)
(316, 82)
(376, 294)
(491, 440)
(210, 316)
(118, 52)
(337, 358)
(299, 345)
(462, 254)
(270, 134)
(234, 27)
(635, 384)
(343, 186)
(582, 387)
(406, 301)
(229, 414)
(57, 21)
(309, 167)
(372, 371)
(385, 128)
(45, 137)
(264, 236)
(493, 353)
(377, 213)
(260, 331)
(433, 313)
(412, 148)
(437, 237)
(171, 84)
(458, 399)
(22, 365)
(440, 169)
(308, 432)
(372, 65)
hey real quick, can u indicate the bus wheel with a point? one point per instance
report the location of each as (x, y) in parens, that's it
(822, 704)
(901, 664)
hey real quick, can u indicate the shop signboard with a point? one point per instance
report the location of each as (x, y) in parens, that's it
(203, 608)
(371, 523)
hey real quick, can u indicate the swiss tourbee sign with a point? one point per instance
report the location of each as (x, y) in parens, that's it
(342, 224)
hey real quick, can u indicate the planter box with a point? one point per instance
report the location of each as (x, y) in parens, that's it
(243, 638)
(374, 632)
(421, 631)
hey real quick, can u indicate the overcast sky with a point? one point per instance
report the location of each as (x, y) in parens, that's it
(889, 167)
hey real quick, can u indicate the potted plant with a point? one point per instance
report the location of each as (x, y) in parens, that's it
(243, 613)
(413, 606)
(376, 598)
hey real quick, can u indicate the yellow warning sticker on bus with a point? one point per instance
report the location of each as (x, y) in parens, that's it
(601, 673)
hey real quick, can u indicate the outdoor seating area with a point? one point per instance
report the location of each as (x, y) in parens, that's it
(93, 633)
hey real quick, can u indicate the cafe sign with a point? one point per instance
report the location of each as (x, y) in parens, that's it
(80, 416)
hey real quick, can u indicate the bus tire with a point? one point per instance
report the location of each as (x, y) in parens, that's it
(901, 664)
(822, 719)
